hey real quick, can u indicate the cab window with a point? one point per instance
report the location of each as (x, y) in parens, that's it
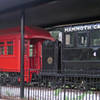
(69, 39)
(95, 38)
(82, 39)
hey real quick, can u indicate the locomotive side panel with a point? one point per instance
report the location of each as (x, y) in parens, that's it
(81, 49)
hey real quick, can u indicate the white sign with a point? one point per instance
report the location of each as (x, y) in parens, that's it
(82, 27)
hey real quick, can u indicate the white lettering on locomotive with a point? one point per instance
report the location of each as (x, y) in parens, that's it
(82, 28)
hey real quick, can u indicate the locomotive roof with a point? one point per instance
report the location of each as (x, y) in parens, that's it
(30, 32)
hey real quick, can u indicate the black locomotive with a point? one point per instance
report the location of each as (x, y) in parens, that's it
(76, 55)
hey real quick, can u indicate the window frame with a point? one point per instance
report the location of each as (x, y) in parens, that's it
(31, 47)
(72, 45)
(88, 38)
(10, 45)
(2, 45)
(91, 44)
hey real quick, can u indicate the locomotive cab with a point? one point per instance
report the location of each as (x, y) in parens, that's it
(81, 50)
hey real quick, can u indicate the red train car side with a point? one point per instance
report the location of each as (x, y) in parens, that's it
(10, 43)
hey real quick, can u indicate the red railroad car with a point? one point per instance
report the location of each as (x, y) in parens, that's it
(10, 43)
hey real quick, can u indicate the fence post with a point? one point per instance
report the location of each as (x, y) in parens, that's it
(22, 54)
(64, 89)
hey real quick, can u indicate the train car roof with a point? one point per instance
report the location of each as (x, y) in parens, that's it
(30, 33)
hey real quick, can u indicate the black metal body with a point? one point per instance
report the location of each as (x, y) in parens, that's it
(50, 57)
(79, 58)
(78, 53)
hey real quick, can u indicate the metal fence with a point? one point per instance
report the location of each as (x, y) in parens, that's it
(59, 86)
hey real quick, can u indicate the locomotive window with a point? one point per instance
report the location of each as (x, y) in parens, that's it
(2, 48)
(82, 39)
(95, 38)
(10, 48)
(69, 38)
